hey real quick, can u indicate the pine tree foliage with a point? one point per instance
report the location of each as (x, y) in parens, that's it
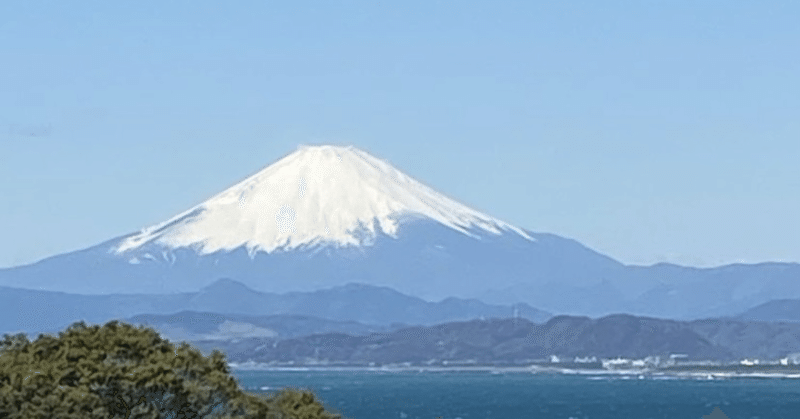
(121, 371)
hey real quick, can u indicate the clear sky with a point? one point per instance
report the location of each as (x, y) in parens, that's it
(648, 130)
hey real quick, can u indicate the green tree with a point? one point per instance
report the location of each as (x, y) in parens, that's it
(127, 372)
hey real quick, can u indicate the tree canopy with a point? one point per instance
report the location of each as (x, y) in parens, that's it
(121, 371)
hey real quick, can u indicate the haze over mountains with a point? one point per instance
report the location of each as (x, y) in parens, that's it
(518, 341)
(358, 324)
(327, 216)
(783, 310)
(374, 308)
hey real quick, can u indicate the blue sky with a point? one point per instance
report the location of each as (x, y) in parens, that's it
(650, 131)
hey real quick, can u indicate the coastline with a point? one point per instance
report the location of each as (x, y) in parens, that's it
(640, 373)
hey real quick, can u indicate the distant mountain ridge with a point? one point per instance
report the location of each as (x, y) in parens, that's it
(196, 326)
(518, 341)
(296, 335)
(51, 311)
(783, 310)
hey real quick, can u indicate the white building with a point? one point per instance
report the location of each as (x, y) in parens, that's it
(616, 363)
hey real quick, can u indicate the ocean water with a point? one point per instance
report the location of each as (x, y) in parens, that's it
(518, 395)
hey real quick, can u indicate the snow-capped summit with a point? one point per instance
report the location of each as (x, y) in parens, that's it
(327, 216)
(318, 194)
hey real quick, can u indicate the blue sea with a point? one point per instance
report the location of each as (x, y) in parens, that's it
(517, 395)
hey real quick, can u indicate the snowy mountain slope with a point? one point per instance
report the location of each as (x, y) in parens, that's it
(315, 195)
(426, 259)
(321, 216)
(325, 216)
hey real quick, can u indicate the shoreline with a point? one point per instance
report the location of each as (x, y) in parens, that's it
(641, 373)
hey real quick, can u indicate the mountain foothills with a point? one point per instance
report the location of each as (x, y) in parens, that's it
(361, 324)
(326, 216)
(351, 308)
(517, 341)
(783, 310)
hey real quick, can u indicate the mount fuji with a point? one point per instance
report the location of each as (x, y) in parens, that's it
(326, 216)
